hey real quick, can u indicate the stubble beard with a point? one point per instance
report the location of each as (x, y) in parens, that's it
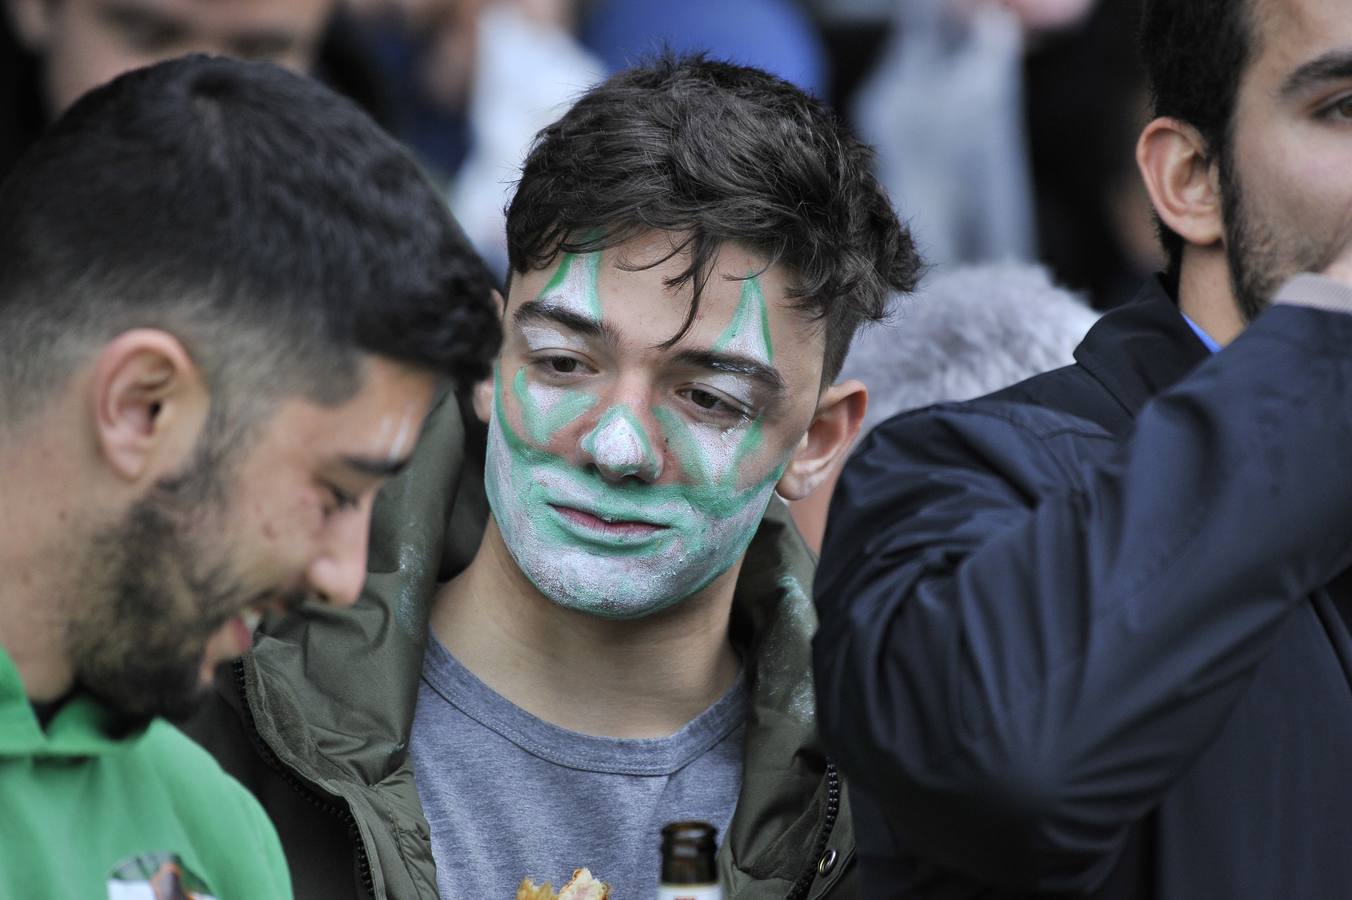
(140, 646)
(1260, 257)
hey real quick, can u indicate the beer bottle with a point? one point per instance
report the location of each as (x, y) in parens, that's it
(688, 871)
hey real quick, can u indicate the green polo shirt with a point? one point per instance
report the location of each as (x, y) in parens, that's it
(87, 812)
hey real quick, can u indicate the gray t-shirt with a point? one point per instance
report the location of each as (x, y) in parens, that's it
(509, 795)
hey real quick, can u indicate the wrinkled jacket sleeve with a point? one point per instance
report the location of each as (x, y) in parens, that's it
(1021, 650)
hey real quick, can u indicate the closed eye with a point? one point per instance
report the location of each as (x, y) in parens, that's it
(715, 406)
(561, 367)
(340, 500)
(1338, 110)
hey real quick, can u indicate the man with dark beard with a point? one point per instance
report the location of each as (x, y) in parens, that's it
(1088, 636)
(227, 302)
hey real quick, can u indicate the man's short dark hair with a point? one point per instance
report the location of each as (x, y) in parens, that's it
(1195, 53)
(717, 153)
(262, 219)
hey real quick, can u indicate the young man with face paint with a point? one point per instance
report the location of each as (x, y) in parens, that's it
(227, 302)
(622, 506)
(624, 642)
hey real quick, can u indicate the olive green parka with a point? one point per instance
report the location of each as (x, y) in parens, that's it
(316, 720)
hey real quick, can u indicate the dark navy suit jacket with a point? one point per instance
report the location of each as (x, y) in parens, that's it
(1086, 637)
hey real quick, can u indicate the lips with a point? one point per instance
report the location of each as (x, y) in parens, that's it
(622, 529)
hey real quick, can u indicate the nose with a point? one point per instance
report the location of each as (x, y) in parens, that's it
(620, 448)
(338, 571)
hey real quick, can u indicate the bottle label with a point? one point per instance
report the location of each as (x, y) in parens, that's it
(689, 892)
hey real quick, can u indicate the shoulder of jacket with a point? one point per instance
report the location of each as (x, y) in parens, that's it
(1005, 417)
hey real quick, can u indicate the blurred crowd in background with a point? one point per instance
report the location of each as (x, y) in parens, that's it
(1004, 129)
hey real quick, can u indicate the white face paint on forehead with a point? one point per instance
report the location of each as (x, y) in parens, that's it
(540, 337)
(749, 332)
(574, 286)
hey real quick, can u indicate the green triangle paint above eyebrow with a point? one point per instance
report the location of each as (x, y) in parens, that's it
(575, 285)
(749, 332)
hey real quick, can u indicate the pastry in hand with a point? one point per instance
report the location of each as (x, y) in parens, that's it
(528, 891)
(582, 886)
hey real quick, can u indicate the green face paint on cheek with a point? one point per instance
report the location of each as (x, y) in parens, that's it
(545, 410)
(710, 455)
(664, 541)
(682, 536)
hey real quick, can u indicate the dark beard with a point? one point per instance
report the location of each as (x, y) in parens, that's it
(148, 662)
(141, 650)
(1259, 259)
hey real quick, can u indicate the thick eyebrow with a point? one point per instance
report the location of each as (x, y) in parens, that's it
(731, 363)
(375, 468)
(259, 43)
(130, 14)
(553, 313)
(1332, 66)
(735, 364)
(263, 43)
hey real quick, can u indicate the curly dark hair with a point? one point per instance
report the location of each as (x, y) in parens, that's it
(714, 153)
(1195, 53)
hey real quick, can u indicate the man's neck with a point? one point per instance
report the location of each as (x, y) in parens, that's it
(1206, 297)
(37, 591)
(637, 678)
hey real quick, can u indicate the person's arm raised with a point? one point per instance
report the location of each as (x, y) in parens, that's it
(1019, 657)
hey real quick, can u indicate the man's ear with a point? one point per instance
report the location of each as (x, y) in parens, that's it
(149, 404)
(1183, 180)
(483, 390)
(833, 430)
(32, 22)
(483, 397)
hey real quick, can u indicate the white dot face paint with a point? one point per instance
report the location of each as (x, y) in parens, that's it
(608, 537)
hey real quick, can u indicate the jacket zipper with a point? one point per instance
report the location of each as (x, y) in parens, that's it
(311, 796)
(800, 888)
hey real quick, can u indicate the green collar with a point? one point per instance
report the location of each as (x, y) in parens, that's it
(82, 727)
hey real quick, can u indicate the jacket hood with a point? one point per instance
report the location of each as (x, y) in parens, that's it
(332, 692)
